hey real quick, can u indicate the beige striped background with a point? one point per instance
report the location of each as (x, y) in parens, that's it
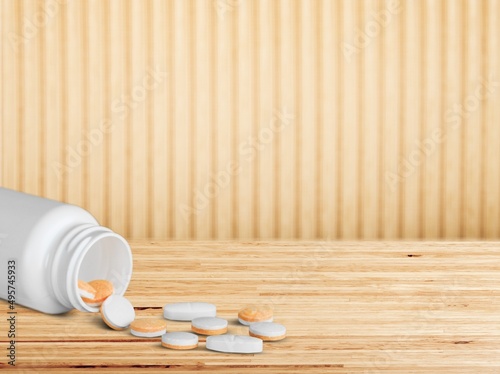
(257, 118)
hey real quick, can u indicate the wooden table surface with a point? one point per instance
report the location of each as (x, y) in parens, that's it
(349, 307)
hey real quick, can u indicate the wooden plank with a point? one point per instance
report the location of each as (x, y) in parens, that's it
(473, 124)
(181, 142)
(158, 203)
(246, 79)
(286, 137)
(220, 181)
(370, 306)
(370, 112)
(433, 121)
(330, 98)
(119, 94)
(492, 118)
(96, 109)
(350, 125)
(31, 118)
(231, 64)
(200, 44)
(265, 139)
(451, 167)
(308, 120)
(139, 142)
(57, 166)
(74, 143)
(10, 92)
(411, 157)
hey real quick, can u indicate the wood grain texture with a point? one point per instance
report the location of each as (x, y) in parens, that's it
(349, 307)
(157, 115)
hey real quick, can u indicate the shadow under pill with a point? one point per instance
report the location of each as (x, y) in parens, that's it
(234, 322)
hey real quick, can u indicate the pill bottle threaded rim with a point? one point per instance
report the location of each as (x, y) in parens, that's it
(70, 254)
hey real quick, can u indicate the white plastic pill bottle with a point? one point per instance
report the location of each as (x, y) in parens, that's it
(47, 246)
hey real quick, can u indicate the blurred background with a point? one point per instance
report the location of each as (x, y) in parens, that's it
(312, 119)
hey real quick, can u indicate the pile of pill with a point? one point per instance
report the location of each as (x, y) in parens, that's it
(98, 290)
(118, 313)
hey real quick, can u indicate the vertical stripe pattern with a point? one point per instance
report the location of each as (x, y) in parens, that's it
(241, 119)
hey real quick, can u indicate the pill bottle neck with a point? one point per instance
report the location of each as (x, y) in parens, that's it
(87, 252)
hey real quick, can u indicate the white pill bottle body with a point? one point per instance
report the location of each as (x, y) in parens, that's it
(47, 246)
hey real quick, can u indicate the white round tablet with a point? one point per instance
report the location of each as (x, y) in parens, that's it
(188, 311)
(152, 334)
(209, 325)
(234, 344)
(179, 340)
(117, 312)
(267, 331)
(246, 323)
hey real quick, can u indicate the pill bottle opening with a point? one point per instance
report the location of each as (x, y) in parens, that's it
(104, 257)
